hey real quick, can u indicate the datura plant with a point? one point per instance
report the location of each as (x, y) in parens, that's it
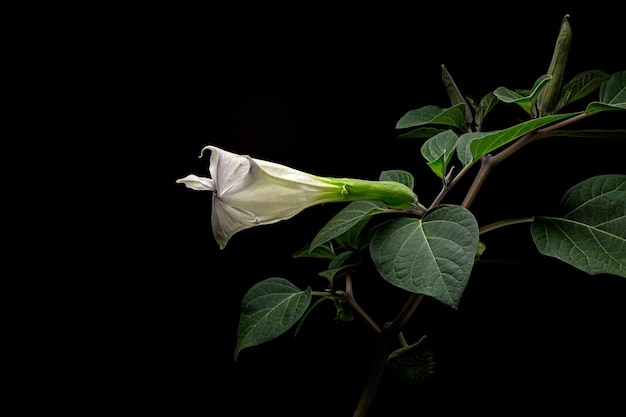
(427, 250)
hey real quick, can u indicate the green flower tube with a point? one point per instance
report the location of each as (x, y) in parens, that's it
(250, 192)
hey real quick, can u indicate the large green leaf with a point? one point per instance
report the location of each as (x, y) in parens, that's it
(471, 147)
(591, 232)
(433, 256)
(268, 310)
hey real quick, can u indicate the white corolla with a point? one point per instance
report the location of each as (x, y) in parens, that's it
(249, 192)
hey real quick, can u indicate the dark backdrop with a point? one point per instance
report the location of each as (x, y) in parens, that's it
(321, 89)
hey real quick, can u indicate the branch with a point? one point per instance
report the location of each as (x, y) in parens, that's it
(503, 223)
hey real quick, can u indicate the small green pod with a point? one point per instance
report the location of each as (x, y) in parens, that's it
(549, 97)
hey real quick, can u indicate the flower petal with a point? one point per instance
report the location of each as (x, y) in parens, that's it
(226, 168)
(197, 183)
(227, 220)
(273, 198)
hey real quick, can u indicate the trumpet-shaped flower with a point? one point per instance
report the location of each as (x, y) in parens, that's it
(249, 192)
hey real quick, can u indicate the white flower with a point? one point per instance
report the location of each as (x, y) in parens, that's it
(250, 192)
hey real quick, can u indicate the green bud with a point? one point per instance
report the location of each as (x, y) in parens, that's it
(549, 96)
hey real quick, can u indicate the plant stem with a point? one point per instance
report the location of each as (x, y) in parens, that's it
(479, 180)
(390, 332)
(503, 223)
(376, 373)
(490, 162)
(447, 187)
(349, 299)
(386, 339)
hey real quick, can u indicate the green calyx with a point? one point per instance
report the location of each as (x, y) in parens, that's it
(393, 194)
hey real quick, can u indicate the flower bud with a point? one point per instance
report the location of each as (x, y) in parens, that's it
(549, 96)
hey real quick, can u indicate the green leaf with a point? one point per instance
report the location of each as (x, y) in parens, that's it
(351, 238)
(431, 256)
(580, 86)
(463, 150)
(349, 216)
(324, 251)
(525, 102)
(341, 263)
(439, 150)
(433, 115)
(483, 108)
(440, 165)
(268, 310)
(591, 234)
(612, 94)
(472, 146)
(596, 107)
(398, 175)
(421, 133)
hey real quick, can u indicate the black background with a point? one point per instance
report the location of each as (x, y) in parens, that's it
(152, 325)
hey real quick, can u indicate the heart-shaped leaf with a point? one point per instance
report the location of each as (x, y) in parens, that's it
(591, 234)
(268, 310)
(433, 256)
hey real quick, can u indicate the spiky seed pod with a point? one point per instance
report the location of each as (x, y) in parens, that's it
(412, 364)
